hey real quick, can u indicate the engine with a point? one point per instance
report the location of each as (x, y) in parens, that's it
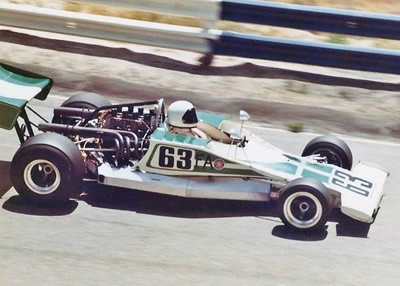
(135, 124)
(136, 121)
(118, 134)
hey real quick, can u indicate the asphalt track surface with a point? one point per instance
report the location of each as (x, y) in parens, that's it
(124, 237)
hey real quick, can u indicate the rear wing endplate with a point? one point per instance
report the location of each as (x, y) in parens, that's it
(17, 88)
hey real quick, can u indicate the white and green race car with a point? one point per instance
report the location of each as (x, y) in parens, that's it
(132, 146)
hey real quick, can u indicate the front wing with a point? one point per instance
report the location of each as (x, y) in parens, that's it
(364, 207)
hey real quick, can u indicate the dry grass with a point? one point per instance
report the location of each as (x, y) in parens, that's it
(56, 4)
(131, 14)
(388, 6)
(383, 6)
(295, 127)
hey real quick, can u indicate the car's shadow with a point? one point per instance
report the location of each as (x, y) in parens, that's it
(171, 206)
(19, 205)
(349, 227)
(165, 205)
(345, 227)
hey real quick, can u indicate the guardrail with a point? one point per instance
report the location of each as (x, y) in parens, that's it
(203, 9)
(214, 42)
(312, 18)
(302, 17)
(104, 27)
(321, 54)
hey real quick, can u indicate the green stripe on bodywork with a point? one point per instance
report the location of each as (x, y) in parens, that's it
(13, 102)
(22, 77)
(207, 169)
(210, 118)
(160, 134)
(282, 167)
(311, 174)
(238, 172)
(320, 167)
(226, 171)
(22, 80)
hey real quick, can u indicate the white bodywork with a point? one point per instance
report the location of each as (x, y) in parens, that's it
(364, 208)
(191, 187)
(256, 172)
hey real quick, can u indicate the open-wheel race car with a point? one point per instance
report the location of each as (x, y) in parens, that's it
(178, 152)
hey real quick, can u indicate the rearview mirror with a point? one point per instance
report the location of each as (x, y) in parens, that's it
(244, 116)
(234, 136)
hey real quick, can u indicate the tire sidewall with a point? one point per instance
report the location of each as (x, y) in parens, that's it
(80, 104)
(83, 100)
(321, 196)
(334, 144)
(69, 179)
(335, 149)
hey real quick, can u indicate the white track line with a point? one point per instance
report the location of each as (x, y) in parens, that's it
(346, 137)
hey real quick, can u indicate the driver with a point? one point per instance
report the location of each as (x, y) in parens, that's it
(182, 119)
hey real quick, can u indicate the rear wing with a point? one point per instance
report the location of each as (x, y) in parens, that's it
(17, 88)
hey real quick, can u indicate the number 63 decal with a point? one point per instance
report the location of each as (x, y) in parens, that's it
(354, 184)
(175, 158)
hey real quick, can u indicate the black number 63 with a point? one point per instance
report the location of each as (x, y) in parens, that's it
(175, 158)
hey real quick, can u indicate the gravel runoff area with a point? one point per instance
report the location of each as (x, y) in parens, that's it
(279, 94)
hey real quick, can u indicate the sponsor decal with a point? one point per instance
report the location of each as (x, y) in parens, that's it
(219, 164)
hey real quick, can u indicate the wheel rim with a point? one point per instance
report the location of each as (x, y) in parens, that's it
(331, 156)
(42, 177)
(302, 210)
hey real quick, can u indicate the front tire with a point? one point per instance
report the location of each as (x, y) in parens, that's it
(334, 149)
(47, 167)
(305, 205)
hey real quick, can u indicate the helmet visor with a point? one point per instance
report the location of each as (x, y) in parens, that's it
(190, 116)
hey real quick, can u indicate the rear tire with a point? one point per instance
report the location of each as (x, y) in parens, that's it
(47, 168)
(305, 205)
(85, 100)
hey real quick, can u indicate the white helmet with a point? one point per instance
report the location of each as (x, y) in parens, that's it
(182, 114)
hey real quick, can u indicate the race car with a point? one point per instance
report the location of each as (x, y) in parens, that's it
(179, 152)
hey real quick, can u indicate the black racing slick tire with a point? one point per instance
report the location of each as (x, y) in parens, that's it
(85, 100)
(305, 205)
(334, 149)
(47, 168)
